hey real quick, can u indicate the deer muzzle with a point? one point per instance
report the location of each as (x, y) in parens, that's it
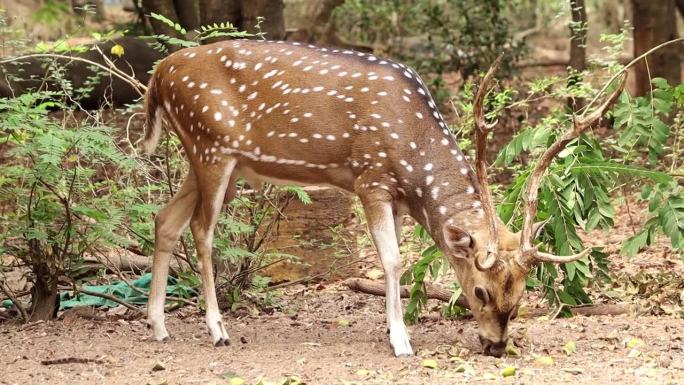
(491, 348)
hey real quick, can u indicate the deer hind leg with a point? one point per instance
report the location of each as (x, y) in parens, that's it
(213, 184)
(381, 221)
(169, 225)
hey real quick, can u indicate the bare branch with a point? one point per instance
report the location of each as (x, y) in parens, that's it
(135, 83)
(15, 301)
(378, 288)
(111, 298)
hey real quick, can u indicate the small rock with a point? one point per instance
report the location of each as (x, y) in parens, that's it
(158, 366)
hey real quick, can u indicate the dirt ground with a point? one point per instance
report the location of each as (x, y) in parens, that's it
(310, 338)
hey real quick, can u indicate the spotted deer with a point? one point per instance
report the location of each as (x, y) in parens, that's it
(290, 113)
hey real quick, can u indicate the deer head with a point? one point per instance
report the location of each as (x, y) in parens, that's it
(491, 261)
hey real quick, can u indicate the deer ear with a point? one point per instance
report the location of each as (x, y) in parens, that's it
(457, 239)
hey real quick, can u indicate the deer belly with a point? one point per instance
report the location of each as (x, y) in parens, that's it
(294, 174)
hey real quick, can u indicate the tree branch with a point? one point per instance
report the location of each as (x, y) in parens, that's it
(111, 298)
(15, 301)
(378, 288)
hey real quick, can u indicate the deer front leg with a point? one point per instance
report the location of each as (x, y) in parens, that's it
(379, 214)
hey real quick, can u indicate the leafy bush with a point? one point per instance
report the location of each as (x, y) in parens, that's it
(65, 192)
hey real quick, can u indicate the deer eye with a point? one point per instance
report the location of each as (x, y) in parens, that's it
(481, 294)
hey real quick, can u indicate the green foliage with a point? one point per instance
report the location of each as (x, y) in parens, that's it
(62, 187)
(52, 12)
(205, 32)
(640, 121)
(666, 214)
(433, 261)
(433, 36)
(430, 261)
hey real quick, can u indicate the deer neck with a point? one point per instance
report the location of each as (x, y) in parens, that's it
(441, 192)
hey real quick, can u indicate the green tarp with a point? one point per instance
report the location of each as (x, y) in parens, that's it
(120, 290)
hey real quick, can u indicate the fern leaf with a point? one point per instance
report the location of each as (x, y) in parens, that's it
(621, 169)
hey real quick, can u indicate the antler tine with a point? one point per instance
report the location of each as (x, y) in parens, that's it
(478, 103)
(481, 131)
(530, 255)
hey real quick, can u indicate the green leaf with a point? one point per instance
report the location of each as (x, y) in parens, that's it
(566, 298)
(300, 193)
(632, 245)
(429, 363)
(621, 169)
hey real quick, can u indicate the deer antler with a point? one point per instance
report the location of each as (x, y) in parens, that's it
(530, 255)
(482, 128)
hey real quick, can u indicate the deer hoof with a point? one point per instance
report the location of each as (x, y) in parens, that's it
(222, 342)
(401, 345)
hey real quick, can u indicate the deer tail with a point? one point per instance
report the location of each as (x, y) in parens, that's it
(153, 112)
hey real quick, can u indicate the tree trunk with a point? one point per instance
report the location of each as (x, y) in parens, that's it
(612, 15)
(219, 11)
(578, 48)
(271, 11)
(166, 9)
(44, 301)
(188, 13)
(655, 23)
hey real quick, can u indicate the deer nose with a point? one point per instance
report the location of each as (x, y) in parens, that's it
(496, 349)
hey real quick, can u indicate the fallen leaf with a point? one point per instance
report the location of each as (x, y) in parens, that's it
(292, 380)
(465, 368)
(362, 372)
(343, 322)
(429, 363)
(236, 381)
(635, 342)
(570, 348)
(508, 371)
(511, 350)
(544, 361)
